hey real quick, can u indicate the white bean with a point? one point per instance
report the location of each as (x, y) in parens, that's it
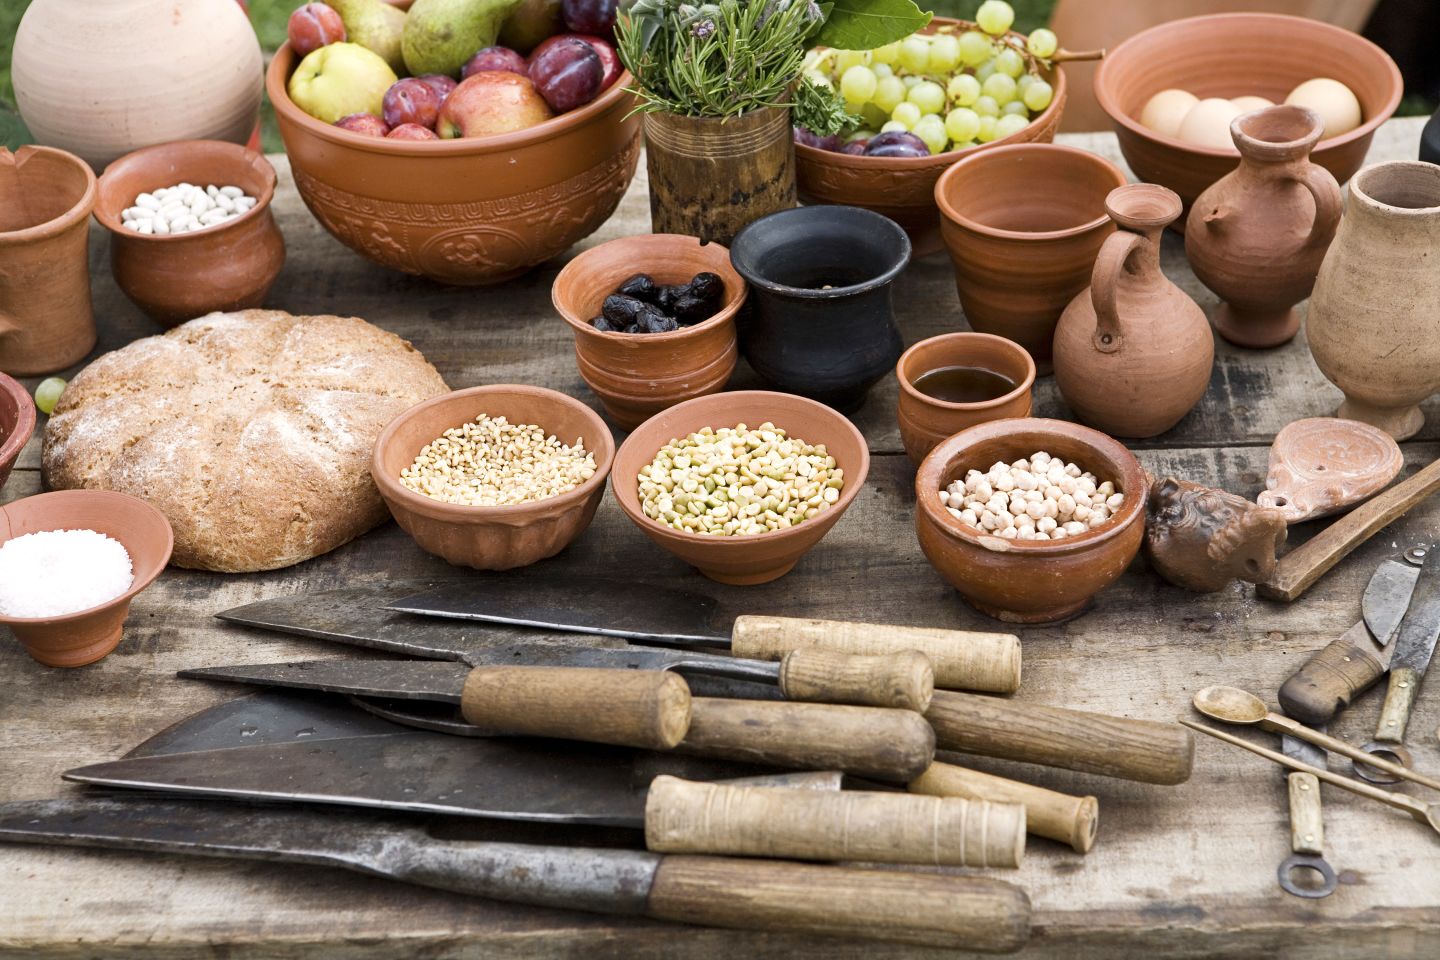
(232, 191)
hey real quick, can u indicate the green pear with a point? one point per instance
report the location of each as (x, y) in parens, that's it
(376, 25)
(440, 35)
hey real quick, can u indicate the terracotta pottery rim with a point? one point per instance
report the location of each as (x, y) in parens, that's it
(1357, 187)
(81, 209)
(515, 513)
(929, 474)
(881, 222)
(122, 501)
(1135, 194)
(121, 165)
(583, 327)
(278, 74)
(1243, 22)
(950, 212)
(907, 386)
(24, 422)
(853, 480)
(1297, 148)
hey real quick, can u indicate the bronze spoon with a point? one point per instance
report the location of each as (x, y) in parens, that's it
(1233, 705)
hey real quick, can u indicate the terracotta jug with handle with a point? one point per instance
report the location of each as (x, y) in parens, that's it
(1133, 352)
(1257, 235)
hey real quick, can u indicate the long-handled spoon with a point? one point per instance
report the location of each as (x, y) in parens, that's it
(1424, 812)
(1233, 705)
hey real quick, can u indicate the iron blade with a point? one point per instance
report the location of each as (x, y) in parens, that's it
(441, 681)
(1418, 630)
(1387, 596)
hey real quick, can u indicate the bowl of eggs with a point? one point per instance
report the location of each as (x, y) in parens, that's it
(1171, 92)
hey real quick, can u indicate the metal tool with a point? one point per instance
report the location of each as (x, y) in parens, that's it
(1307, 825)
(903, 907)
(1414, 646)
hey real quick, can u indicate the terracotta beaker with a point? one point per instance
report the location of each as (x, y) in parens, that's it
(46, 196)
(1133, 352)
(1371, 322)
(1257, 235)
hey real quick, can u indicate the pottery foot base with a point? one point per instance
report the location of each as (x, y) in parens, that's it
(749, 579)
(1400, 422)
(52, 656)
(1256, 331)
(1053, 615)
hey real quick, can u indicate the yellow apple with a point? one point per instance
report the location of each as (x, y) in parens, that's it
(340, 79)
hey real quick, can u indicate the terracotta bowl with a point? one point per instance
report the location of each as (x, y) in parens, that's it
(75, 639)
(1231, 55)
(746, 559)
(468, 211)
(181, 276)
(637, 375)
(1023, 224)
(925, 421)
(17, 423)
(1029, 581)
(903, 189)
(492, 538)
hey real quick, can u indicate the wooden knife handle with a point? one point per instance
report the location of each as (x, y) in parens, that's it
(962, 659)
(684, 816)
(1342, 670)
(894, 745)
(933, 910)
(1307, 825)
(903, 680)
(1141, 750)
(1399, 701)
(1059, 816)
(649, 709)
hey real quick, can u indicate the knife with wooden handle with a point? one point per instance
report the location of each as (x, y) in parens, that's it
(1048, 813)
(1334, 676)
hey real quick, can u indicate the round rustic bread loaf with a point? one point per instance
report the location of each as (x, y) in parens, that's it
(250, 431)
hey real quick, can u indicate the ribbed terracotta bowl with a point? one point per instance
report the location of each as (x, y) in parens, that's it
(75, 639)
(475, 210)
(1029, 581)
(903, 188)
(742, 559)
(17, 423)
(1232, 55)
(925, 421)
(492, 538)
(636, 375)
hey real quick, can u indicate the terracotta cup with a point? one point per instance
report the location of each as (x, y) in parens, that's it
(761, 557)
(46, 196)
(492, 538)
(925, 421)
(75, 639)
(1029, 581)
(179, 277)
(17, 423)
(637, 375)
(1023, 224)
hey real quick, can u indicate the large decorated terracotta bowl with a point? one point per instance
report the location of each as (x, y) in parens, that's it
(468, 211)
(903, 188)
(1232, 55)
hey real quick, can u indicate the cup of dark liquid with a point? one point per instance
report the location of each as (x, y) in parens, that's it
(956, 380)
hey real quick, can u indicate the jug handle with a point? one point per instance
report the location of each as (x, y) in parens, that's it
(1103, 280)
(1328, 203)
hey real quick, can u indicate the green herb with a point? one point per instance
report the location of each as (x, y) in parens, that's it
(820, 109)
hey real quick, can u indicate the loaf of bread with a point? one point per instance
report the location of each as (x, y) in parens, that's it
(250, 431)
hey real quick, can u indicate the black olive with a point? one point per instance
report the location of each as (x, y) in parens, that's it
(690, 310)
(603, 325)
(652, 320)
(706, 286)
(666, 295)
(621, 310)
(641, 286)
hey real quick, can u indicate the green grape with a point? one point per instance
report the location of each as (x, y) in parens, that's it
(883, 70)
(931, 129)
(1038, 95)
(889, 92)
(857, 84)
(997, 85)
(873, 115)
(47, 394)
(1005, 126)
(986, 107)
(915, 53)
(962, 124)
(961, 145)
(887, 54)
(861, 135)
(987, 129)
(985, 70)
(963, 89)
(995, 17)
(975, 48)
(1020, 85)
(907, 113)
(1015, 107)
(1042, 43)
(928, 95)
(944, 53)
(845, 59)
(894, 126)
(910, 81)
(1009, 62)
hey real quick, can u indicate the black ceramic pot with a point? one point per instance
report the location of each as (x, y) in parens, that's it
(821, 324)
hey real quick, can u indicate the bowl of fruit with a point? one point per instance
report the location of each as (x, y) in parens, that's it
(1171, 92)
(424, 146)
(891, 120)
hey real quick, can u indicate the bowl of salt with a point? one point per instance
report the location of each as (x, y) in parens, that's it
(70, 562)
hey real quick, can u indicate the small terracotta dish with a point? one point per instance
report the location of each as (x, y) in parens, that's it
(1029, 581)
(75, 639)
(492, 538)
(178, 277)
(762, 557)
(636, 375)
(925, 421)
(1321, 465)
(17, 423)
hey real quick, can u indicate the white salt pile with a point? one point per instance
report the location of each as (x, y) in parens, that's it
(55, 572)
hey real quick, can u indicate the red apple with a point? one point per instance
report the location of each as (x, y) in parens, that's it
(441, 84)
(609, 60)
(313, 26)
(495, 58)
(411, 100)
(494, 101)
(412, 131)
(366, 123)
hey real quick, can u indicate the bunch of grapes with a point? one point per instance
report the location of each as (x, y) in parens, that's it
(929, 94)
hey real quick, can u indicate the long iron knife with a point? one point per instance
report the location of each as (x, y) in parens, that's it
(1307, 827)
(923, 909)
(1414, 646)
(1387, 595)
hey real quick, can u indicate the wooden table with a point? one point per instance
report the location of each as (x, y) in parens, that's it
(1180, 872)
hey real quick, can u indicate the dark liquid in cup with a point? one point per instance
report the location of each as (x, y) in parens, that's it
(963, 384)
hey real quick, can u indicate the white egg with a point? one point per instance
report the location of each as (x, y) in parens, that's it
(1246, 104)
(1208, 123)
(1164, 112)
(1338, 108)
